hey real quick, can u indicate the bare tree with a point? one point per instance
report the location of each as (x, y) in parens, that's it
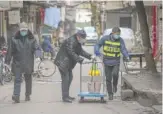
(145, 36)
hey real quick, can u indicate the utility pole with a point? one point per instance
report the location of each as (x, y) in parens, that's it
(63, 13)
(96, 18)
(70, 18)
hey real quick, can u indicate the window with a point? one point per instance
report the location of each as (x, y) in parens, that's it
(125, 22)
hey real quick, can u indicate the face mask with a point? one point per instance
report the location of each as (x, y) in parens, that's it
(82, 41)
(23, 33)
(116, 36)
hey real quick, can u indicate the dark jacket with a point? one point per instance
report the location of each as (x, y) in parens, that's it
(46, 45)
(69, 54)
(22, 50)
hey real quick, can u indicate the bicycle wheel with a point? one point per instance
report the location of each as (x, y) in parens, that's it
(46, 68)
(7, 73)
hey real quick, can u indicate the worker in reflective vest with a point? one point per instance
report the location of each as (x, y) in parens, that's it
(113, 46)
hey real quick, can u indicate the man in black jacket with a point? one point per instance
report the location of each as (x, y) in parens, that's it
(66, 59)
(22, 49)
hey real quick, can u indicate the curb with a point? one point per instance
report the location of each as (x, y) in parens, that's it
(151, 95)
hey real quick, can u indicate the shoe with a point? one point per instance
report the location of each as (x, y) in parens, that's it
(71, 98)
(114, 89)
(67, 100)
(110, 96)
(27, 98)
(16, 99)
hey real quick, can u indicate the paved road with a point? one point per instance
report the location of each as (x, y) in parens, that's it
(46, 99)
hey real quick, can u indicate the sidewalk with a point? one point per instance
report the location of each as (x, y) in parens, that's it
(147, 88)
(46, 99)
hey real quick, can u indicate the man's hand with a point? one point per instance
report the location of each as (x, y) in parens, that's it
(128, 59)
(38, 53)
(81, 61)
(93, 57)
(97, 53)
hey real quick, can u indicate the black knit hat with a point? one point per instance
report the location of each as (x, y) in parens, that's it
(81, 33)
(116, 29)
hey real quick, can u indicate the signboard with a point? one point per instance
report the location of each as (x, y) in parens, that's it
(14, 17)
(4, 5)
(16, 4)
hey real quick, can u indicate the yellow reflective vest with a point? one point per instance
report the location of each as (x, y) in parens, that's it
(111, 49)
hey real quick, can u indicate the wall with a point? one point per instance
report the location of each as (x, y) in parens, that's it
(111, 5)
(159, 23)
(83, 15)
(112, 19)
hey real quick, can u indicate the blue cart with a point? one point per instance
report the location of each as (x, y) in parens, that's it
(101, 94)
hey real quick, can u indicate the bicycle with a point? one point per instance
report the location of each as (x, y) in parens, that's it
(46, 67)
(5, 71)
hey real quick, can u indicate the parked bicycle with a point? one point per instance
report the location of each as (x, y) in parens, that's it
(5, 71)
(45, 66)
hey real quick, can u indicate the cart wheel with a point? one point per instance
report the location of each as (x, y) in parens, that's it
(81, 99)
(102, 100)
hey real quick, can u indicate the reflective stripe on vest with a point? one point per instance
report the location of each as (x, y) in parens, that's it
(112, 43)
(111, 49)
(111, 55)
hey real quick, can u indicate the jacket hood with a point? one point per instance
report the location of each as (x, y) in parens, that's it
(29, 35)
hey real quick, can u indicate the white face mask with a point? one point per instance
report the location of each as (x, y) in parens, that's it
(82, 41)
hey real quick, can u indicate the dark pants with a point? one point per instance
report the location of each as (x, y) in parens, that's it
(28, 84)
(111, 72)
(66, 82)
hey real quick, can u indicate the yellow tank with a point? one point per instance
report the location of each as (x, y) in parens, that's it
(94, 73)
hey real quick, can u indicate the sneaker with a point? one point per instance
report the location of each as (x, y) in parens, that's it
(71, 98)
(110, 96)
(16, 99)
(27, 98)
(67, 100)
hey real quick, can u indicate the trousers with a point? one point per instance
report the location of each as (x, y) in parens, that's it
(17, 84)
(111, 72)
(67, 78)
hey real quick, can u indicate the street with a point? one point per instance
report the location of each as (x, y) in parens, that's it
(46, 98)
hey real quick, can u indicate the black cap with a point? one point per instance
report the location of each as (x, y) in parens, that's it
(116, 29)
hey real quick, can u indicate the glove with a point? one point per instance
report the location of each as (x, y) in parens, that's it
(38, 53)
(128, 59)
(97, 53)
(93, 57)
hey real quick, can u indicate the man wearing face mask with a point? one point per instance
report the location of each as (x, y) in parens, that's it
(66, 59)
(22, 48)
(113, 45)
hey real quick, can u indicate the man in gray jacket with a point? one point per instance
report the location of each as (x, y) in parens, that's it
(22, 48)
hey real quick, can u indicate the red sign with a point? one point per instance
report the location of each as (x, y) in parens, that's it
(154, 30)
(42, 14)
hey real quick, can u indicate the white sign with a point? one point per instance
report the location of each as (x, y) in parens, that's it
(14, 17)
(4, 5)
(70, 14)
(16, 4)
